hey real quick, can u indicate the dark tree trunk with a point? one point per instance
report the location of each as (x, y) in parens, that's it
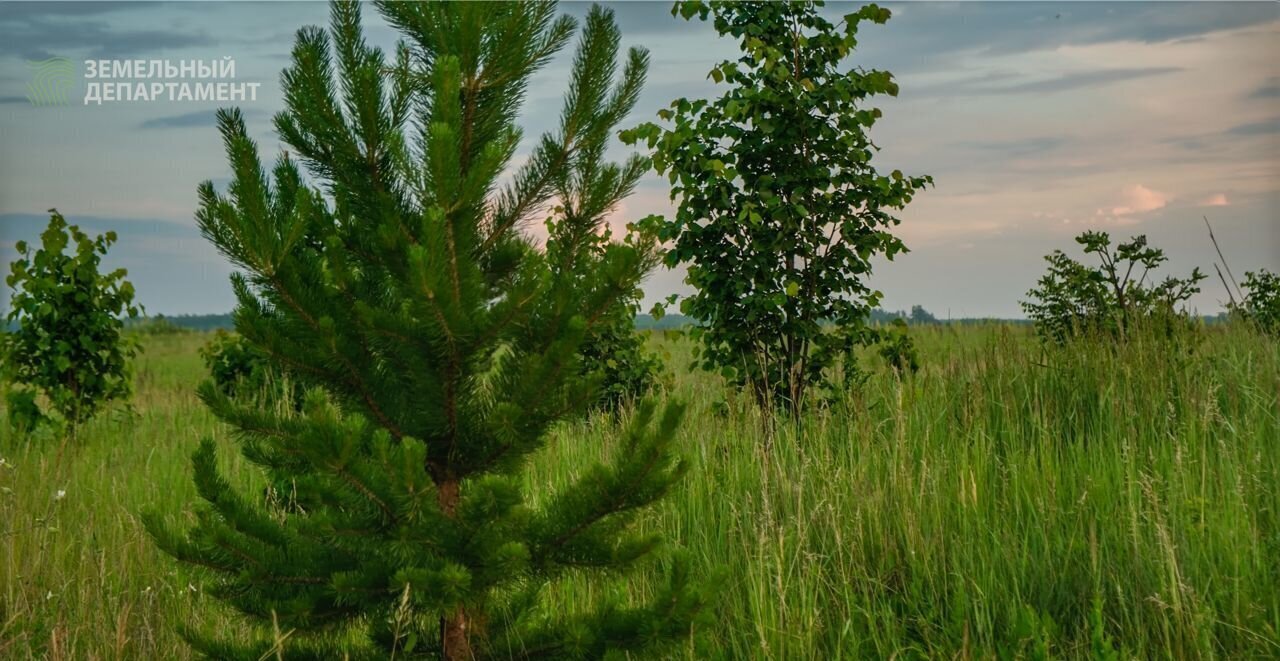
(455, 628)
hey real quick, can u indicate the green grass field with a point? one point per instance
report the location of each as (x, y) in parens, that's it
(1004, 502)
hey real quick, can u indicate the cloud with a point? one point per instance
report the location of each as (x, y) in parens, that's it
(1020, 148)
(27, 11)
(1269, 90)
(1264, 127)
(1216, 200)
(199, 118)
(1080, 80)
(39, 31)
(1002, 28)
(991, 83)
(1187, 143)
(1136, 199)
(195, 119)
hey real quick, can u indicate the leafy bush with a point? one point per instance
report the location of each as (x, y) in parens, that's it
(239, 369)
(1073, 299)
(780, 208)
(68, 341)
(1261, 303)
(898, 349)
(24, 414)
(614, 351)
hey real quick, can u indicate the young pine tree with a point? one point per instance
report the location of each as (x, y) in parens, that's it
(440, 346)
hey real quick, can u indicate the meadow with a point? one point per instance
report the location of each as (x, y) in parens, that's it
(1005, 501)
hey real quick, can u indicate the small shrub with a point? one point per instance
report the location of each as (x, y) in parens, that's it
(899, 350)
(239, 370)
(1073, 299)
(1261, 303)
(231, 362)
(1031, 636)
(626, 368)
(24, 413)
(613, 352)
(68, 342)
(850, 378)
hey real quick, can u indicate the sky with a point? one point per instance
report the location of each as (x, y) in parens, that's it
(1036, 120)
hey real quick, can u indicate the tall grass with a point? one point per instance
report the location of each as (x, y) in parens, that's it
(1005, 501)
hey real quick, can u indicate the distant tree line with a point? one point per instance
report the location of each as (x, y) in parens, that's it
(916, 315)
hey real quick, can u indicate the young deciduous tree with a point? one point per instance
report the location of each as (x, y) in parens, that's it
(441, 346)
(68, 343)
(1072, 298)
(780, 208)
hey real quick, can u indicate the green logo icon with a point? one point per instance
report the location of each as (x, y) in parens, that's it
(51, 81)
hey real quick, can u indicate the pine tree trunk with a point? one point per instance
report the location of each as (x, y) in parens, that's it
(447, 492)
(455, 635)
(457, 640)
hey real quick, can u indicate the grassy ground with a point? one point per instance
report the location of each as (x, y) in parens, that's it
(1003, 502)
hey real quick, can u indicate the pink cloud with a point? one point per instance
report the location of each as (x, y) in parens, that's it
(1139, 199)
(1218, 200)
